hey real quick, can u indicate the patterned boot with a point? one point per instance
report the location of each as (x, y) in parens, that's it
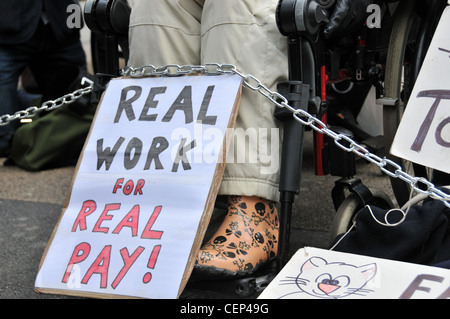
(246, 240)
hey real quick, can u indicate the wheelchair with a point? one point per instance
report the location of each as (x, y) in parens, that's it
(387, 58)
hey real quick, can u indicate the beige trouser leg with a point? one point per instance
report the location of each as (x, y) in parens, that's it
(239, 32)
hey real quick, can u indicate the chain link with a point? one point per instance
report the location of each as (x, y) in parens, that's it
(178, 70)
(419, 184)
(48, 105)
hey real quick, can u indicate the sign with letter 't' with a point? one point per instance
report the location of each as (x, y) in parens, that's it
(423, 136)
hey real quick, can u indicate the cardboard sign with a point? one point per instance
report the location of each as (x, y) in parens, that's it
(423, 135)
(143, 190)
(323, 274)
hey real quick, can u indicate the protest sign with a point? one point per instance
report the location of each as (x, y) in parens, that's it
(423, 135)
(314, 273)
(144, 188)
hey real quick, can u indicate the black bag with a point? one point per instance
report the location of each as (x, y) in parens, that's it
(423, 237)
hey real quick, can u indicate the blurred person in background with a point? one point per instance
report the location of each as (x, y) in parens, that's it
(34, 34)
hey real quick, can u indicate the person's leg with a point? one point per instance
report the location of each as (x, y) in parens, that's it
(55, 65)
(234, 31)
(12, 64)
(244, 33)
(164, 32)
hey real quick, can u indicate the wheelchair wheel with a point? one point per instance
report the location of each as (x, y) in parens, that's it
(352, 205)
(413, 28)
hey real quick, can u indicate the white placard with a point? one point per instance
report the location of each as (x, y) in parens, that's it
(423, 135)
(314, 273)
(146, 181)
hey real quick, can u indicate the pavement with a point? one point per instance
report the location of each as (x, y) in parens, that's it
(31, 203)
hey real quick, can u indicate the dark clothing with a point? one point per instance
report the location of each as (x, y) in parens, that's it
(423, 237)
(19, 19)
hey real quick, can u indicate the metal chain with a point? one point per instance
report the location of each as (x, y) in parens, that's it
(49, 105)
(387, 166)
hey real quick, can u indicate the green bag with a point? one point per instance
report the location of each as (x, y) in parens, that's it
(51, 141)
(55, 138)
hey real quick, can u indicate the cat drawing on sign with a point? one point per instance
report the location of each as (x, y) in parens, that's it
(333, 280)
